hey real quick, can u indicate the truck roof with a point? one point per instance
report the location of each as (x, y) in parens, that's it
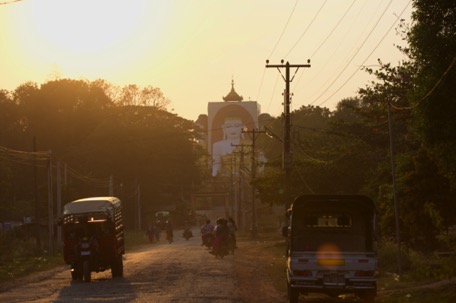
(91, 205)
(348, 200)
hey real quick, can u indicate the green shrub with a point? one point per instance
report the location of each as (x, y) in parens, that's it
(415, 265)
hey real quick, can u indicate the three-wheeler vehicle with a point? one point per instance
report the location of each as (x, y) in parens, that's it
(93, 237)
(332, 246)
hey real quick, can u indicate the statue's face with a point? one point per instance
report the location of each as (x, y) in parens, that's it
(232, 128)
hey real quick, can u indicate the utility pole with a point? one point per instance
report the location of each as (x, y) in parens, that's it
(138, 205)
(286, 152)
(59, 206)
(37, 204)
(393, 172)
(233, 192)
(240, 218)
(253, 177)
(50, 206)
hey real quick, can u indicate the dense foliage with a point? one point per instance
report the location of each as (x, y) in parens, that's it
(348, 150)
(99, 131)
(96, 136)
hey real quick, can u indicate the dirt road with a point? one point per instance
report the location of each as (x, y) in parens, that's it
(183, 271)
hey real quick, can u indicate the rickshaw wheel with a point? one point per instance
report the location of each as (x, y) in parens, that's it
(86, 271)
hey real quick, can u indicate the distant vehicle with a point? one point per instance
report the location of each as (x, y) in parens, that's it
(93, 236)
(332, 246)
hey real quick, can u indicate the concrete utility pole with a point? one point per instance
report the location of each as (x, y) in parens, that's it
(253, 177)
(240, 217)
(50, 206)
(286, 152)
(37, 203)
(393, 173)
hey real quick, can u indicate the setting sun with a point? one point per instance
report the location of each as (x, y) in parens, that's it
(87, 38)
(192, 50)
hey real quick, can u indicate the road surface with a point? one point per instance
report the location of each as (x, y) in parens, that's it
(183, 271)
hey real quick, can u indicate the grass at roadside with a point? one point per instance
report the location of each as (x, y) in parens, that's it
(391, 289)
(12, 266)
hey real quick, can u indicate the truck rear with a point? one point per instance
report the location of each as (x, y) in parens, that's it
(332, 246)
(93, 236)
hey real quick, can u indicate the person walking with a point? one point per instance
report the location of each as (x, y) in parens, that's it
(169, 231)
(232, 228)
(221, 233)
(207, 233)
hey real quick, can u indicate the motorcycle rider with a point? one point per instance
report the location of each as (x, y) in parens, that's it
(232, 229)
(221, 233)
(187, 230)
(206, 233)
(169, 231)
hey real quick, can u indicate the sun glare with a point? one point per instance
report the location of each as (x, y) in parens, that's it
(83, 38)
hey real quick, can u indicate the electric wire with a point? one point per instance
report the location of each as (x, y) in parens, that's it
(430, 91)
(353, 57)
(327, 37)
(333, 29)
(307, 28)
(284, 28)
(9, 2)
(367, 58)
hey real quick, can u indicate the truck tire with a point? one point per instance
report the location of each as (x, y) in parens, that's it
(117, 267)
(293, 294)
(368, 297)
(86, 271)
(75, 272)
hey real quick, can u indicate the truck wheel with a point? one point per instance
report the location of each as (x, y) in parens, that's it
(117, 267)
(86, 271)
(293, 294)
(368, 297)
(76, 271)
(74, 274)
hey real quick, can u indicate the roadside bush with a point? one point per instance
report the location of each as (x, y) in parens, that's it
(415, 265)
(13, 246)
(387, 257)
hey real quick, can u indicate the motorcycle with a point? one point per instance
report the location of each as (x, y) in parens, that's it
(187, 234)
(81, 268)
(225, 246)
(207, 240)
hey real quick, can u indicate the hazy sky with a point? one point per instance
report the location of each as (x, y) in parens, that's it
(192, 49)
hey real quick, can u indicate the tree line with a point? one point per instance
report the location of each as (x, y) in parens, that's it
(348, 150)
(100, 130)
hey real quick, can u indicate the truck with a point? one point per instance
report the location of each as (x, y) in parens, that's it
(93, 236)
(331, 243)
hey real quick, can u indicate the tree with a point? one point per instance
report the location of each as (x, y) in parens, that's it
(432, 41)
(147, 96)
(426, 207)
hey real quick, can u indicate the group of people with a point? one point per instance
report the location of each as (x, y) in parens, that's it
(212, 236)
(154, 230)
(215, 236)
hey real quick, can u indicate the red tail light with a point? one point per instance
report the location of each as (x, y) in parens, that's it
(364, 273)
(302, 273)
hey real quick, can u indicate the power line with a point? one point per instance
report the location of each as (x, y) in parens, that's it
(432, 89)
(334, 28)
(284, 28)
(367, 58)
(327, 37)
(354, 55)
(9, 2)
(305, 31)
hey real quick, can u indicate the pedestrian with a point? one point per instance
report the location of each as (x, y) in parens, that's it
(232, 230)
(207, 233)
(150, 233)
(221, 233)
(169, 231)
(157, 231)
